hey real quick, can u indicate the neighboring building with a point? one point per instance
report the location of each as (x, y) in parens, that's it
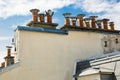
(43, 52)
(105, 67)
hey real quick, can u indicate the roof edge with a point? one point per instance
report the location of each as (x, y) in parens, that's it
(41, 29)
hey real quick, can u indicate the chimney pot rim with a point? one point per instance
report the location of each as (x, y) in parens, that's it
(92, 17)
(73, 18)
(8, 46)
(99, 21)
(49, 12)
(41, 14)
(66, 14)
(106, 19)
(111, 22)
(32, 10)
(85, 19)
(80, 15)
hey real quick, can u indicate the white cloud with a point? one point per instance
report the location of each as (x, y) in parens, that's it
(109, 8)
(22, 7)
(5, 38)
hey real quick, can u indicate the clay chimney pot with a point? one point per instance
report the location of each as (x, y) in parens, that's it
(105, 23)
(41, 16)
(8, 50)
(35, 14)
(80, 18)
(49, 15)
(111, 24)
(74, 21)
(87, 20)
(93, 22)
(99, 24)
(67, 18)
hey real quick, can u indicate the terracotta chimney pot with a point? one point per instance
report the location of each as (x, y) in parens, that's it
(93, 22)
(105, 23)
(35, 14)
(111, 24)
(9, 50)
(74, 21)
(80, 18)
(41, 17)
(49, 15)
(87, 20)
(99, 24)
(67, 18)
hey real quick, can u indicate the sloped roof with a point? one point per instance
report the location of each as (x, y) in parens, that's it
(85, 64)
(92, 70)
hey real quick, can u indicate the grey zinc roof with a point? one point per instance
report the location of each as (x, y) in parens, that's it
(40, 29)
(71, 28)
(84, 64)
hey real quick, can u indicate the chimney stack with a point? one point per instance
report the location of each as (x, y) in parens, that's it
(99, 24)
(111, 24)
(49, 15)
(41, 17)
(9, 60)
(74, 21)
(35, 14)
(105, 23)
(80, 18)
(87, 20)
(93, 21)
(67, 18)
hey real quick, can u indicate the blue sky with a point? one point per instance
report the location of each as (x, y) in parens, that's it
(16, 12)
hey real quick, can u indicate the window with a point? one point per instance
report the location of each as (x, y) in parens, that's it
(116, 41)
(105, 44)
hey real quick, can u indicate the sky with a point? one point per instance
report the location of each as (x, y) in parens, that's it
(15, 13)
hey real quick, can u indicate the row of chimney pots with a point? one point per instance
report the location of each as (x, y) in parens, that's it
(80, 18)
(93, 20)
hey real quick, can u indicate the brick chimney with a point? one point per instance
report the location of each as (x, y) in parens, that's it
(99, 24)
(105, 23)
(9, 60)
(87, 20)
(93, 22)
(49, 15)
(67, 18)
(80, 18)
(74, 21)
(111, 24)
(42, 17)
(35, 14)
